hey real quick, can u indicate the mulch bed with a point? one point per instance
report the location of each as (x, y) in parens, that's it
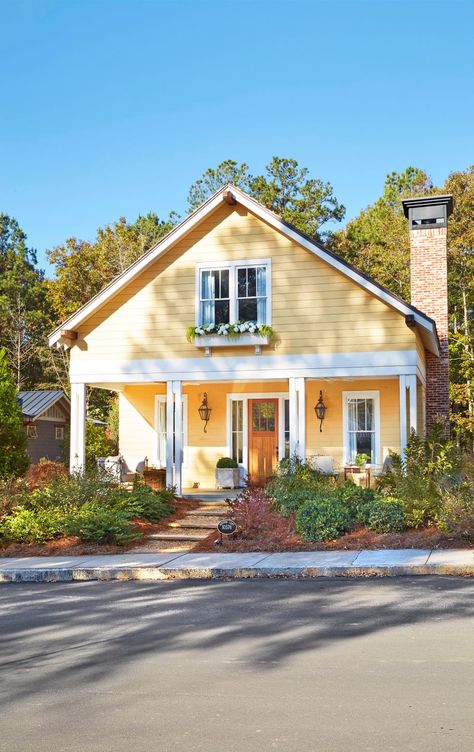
(279, 535)
(72, 546)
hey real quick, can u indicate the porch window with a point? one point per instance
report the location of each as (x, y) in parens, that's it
(238, 431)
(238, 292)
(161, 431)
(286, 428)
(362, 429)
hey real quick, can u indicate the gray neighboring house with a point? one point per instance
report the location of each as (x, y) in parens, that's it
(46, 414)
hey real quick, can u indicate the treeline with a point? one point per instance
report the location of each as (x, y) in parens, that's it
(376, 241)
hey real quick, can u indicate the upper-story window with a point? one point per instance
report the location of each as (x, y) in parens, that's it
(235, 292)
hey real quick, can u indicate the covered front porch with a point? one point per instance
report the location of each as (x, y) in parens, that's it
(257, 422)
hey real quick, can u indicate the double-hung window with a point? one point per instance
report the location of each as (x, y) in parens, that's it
(237, 292)
(361, 425)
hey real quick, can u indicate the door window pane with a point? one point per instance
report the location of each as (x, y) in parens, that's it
(263, 417)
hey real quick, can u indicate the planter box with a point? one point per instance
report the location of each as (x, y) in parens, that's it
(155, 478)
(244, 340)
(227, 477)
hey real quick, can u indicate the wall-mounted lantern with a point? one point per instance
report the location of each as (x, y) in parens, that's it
(320, 410)
(205, 411)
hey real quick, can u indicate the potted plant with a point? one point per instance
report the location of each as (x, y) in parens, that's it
(361, 460)
(227, 473)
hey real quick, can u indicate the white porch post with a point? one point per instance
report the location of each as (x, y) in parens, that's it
(413, 412)
(77, 458)
(300, 388)
(178, 435)
(294, 426)
(403, 413)
(169, 432)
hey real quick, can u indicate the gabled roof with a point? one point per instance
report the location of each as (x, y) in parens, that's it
(36, 402)
(232, 194)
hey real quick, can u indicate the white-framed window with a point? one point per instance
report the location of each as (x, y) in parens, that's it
(32, 432)
(59, 432)
(237, 441)
(237, 291)
(361, 425)
(160, 430)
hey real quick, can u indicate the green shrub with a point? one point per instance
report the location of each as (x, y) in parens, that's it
(294, 483)
(322, 519)
(226, 462)
(353, 498)
(94, 524)
(144, 502)
(27, 526)
(456, 516)
(432, 465)
(383, 515)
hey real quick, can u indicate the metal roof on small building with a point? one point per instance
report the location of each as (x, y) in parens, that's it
(36, 402)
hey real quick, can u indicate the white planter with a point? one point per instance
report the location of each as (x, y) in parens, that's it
(243, 340)
(227, 477)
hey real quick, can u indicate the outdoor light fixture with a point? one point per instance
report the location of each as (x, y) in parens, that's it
(205, 411)
(320, 410)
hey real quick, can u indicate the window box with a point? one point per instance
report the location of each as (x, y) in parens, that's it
(243, 340)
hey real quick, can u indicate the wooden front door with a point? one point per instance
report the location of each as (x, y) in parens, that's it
(263, 439)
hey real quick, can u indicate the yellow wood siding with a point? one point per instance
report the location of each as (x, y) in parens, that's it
(315, 308)
(137, 433)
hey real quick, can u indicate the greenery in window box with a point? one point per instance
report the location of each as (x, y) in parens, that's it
(226, 462)
(231, 331)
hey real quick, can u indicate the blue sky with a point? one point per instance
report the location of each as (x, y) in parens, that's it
(114, 107)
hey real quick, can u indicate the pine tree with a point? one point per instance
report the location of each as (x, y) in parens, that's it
(13, 456)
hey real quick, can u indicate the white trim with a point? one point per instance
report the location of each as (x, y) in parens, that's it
(274, 221)
(413, 407)
(178, 436)
(244, 340)
(169, 432)
(77, 450)
(403, 413)
(361, 394)
(248, 368)
(245, 397)
(161, 398)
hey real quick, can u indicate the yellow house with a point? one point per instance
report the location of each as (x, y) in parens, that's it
(316, 331)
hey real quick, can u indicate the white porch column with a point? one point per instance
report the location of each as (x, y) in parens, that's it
(178, 435)
(77, 457)
(294, 426)
(403, 413)
(169, 432)
(297, 396)
(300, 388)
(413, 407)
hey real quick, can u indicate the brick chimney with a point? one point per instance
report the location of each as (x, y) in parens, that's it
(428, 222)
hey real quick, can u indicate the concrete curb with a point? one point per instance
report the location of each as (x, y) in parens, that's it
(301, 565)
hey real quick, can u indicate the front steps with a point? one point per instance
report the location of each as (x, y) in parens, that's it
(196, 525)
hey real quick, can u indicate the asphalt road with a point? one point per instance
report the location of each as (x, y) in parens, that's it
(323, 665)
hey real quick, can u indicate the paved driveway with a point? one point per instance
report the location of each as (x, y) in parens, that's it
(241, 665)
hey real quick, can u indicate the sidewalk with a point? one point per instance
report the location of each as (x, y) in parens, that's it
(171, 566)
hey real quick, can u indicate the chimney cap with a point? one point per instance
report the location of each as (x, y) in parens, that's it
(424, 201)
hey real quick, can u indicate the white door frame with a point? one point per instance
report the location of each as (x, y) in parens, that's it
(245, 397)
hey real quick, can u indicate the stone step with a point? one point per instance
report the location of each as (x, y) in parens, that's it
(196, 523)
(184, 535)
(208, 513)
